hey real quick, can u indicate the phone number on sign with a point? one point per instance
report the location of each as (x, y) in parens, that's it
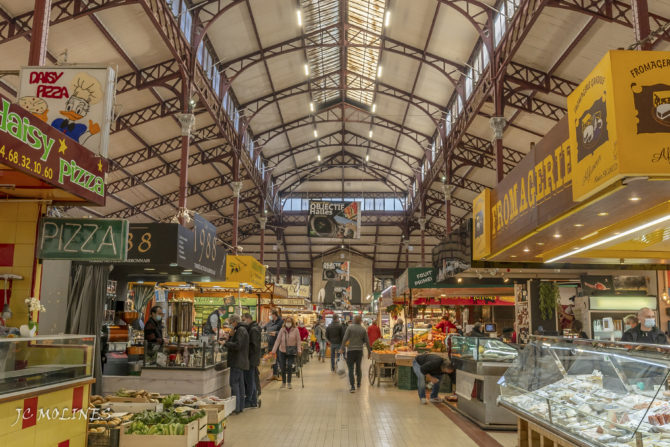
(24, 162)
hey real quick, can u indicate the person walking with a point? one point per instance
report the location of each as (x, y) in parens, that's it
(430, 367)
(252, 376)
(272, 328)
(287, 347)
(374, 333)
(320, 335)
(357, 337)
(238, 360)
(334, 335)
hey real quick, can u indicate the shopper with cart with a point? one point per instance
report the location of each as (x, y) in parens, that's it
(287, 347)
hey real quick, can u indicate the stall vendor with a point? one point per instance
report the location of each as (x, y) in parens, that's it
(646, 330)
(446, 326)
(153, 329)
(213, 324)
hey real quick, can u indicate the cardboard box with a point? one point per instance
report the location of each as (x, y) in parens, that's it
(127, 399)
(211, 443)
(193, 433)
(216, 428)
(216, 438)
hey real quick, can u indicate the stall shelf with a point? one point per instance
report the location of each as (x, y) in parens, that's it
(45, 376)
(590, 393)
(480, 362)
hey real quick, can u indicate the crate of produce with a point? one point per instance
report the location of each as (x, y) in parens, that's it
(164, 434)
(229, 405)
(404, 359)
(406, 378)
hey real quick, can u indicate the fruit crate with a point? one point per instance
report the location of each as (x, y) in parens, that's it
(406, 378)
(382, 358)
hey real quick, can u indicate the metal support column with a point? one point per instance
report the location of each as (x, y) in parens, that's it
(422, 225)
(498, 123)
(40, 33)
(278, 254)
(263, 221)
(641, 27)
(187, 121)
(447, 190)
(236, 186)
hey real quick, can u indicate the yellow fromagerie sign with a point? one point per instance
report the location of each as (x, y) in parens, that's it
(620, 121)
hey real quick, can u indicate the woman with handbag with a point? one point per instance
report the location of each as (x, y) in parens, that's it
(289, 346)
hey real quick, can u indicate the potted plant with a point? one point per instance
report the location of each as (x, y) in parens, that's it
(548, 299)
(30, 329)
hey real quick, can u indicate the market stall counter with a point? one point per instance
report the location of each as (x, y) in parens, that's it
(194, 368)
(591, 393)
(480, 363)
(43, 376)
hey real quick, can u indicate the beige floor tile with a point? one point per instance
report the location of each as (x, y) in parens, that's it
(324, 413)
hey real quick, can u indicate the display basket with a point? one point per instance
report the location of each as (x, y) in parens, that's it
(406, 378)
(108, 438)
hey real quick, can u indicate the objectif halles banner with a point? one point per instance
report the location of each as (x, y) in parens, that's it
(30, 145)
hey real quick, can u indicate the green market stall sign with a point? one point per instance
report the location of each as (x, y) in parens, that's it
(416, 278)
(31, 146)
(83, 239)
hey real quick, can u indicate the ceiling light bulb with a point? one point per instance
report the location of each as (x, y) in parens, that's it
(557, 236)
(370, 134)
(316, 134)
(379, 71)
(318, 157)
(299, 14)
(367, 157)
(387, 19)
(634, 199)
(374, 108)
(506, 279)
(603, 214)
(579, 225)
(311, 106)
(306, 70)
(460, 280)
(526, 250)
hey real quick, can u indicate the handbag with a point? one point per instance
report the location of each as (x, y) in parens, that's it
(290, 350)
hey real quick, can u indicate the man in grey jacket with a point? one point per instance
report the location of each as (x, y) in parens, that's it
(334, 335)
(357, 337)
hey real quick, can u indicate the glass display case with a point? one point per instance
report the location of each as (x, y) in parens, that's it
(29, 363)
(199, 354)
(480, 362)
(592, 393)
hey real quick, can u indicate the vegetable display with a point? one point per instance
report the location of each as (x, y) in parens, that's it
(163, 423)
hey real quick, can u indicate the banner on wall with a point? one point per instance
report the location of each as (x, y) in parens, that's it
(245, 269)
(335, 271)
(467, 301)
(341, 220)
(76, 100)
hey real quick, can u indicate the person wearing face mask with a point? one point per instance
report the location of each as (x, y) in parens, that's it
(287, 347)
(153, 329)
(646, 330)
(272, 328)
(238, 360)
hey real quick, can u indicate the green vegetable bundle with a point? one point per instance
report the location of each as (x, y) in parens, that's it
(162, 423)
(168, 401)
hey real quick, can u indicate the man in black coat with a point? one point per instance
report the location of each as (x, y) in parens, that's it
(335, 335)
(238, 359)
(645, 331)
(272, 328)
(251, 376)
(430, 367)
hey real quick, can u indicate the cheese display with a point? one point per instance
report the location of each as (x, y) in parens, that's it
(623, 398)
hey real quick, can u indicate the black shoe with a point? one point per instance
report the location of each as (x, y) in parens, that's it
(352, 390)
(358, 386)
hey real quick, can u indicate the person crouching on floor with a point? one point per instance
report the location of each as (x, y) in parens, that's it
(432, 368)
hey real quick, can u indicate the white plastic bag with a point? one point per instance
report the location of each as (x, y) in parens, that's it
(341, 366)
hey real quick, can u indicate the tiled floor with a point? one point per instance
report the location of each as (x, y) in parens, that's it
(324, 413)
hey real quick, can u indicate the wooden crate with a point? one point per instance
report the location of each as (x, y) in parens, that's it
(193, 432)
(215, 415)
(383, 358)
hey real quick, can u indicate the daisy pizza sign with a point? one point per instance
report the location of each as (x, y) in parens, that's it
(76, 100)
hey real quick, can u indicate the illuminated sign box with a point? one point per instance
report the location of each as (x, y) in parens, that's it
(621, 303)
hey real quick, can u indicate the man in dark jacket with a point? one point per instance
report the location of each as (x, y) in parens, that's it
(251, 376)
(430, 367)
(334, 335)
(153, 329)
(646, 330)
(238, 359)
(272, 328)
(212, 325)
(477, 331)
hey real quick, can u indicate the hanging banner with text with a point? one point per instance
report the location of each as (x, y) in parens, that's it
(75, 100)
(340, 220)
(466, 301)
(83, 239)
(31, 146)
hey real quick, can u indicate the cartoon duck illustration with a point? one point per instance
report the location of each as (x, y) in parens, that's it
(86, 91)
